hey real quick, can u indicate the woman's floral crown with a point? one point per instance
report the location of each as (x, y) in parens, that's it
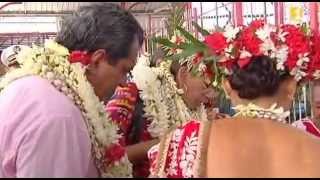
(294, 48)
(190, 51)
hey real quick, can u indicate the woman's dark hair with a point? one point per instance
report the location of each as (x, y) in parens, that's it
(258, 78)
(101, 26)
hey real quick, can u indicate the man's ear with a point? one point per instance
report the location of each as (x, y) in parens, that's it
(291, 86)
(182, 73)
(226, 87)
(97, 57)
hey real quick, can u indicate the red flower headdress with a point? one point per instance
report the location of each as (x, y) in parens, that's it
(294, 48)
(186, 49)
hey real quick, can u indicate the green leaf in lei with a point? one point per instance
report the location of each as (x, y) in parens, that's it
(165, 42)
(191, 38)
(190, 50)
(305, 29)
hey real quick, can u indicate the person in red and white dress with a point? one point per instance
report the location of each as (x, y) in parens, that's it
(312, 125)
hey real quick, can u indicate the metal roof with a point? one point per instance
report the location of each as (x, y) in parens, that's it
(56, 8)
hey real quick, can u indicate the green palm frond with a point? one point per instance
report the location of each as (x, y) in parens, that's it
(176, 18)
(202, 31)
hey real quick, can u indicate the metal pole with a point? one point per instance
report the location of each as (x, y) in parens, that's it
(237, 14)
(281, 12)
(276, 13)
(217, 13)
(265, 11)
(251, 11)
(314, 21)
(201, 15)
(195, 15)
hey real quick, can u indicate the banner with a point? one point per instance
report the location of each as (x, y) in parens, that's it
(296, 14)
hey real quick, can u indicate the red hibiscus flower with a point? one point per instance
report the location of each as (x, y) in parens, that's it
(216, 42)
(80, 56)
(114, 153)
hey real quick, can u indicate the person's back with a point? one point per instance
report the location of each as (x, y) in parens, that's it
(261, 148)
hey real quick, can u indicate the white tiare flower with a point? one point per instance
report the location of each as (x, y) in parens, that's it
(297, 73)
(316, 74)
(281, 56)
(202, 67)
(282, 35)
(267, 46)
(230, 33)
(302, 59)
(228, 51)
(264, 32)
(143, 76)
(245, 54)
(52, 45)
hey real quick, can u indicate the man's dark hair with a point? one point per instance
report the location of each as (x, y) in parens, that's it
(100, 26)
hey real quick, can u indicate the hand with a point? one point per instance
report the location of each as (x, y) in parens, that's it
(213, 114)
(222, 116)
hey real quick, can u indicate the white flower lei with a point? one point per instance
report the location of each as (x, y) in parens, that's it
(164, 106)
(51, 63)
(254, 111)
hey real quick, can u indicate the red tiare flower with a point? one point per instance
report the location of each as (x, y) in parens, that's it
(114, 153)
(80, 56)
(197, 59)
(243, 62)
(208, 72)
(297, 43)
(216, 42)
(248, 40)
(314, 63)
(256, 24)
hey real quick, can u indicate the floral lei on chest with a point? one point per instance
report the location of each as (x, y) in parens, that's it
(51, 63)
(164, 106)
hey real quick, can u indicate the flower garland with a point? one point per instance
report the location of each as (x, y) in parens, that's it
(164, 106)
(254, 111)
(51, 63)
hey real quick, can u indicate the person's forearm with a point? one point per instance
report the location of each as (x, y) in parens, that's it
(139, 151)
